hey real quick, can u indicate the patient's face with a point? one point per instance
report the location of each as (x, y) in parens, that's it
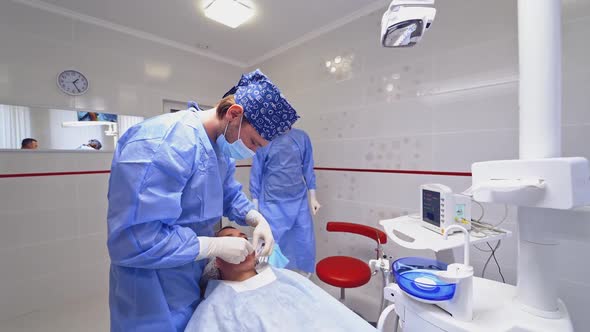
(246, 265)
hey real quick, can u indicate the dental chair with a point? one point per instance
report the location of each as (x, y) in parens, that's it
(349, 272)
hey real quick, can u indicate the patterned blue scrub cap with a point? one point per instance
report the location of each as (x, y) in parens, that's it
(264, 105)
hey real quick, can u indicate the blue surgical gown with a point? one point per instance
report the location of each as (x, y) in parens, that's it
(273, 300)
(168, 185)
(282, 173)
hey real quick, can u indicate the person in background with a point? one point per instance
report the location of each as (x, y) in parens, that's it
(281, 176)
(172, 179)
(29, 144)
(92, 144)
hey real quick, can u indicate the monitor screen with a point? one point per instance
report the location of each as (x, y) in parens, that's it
(431, 207)
(94, 116)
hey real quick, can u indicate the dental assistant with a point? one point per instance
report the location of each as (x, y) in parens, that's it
(280, 178)
(171, 181)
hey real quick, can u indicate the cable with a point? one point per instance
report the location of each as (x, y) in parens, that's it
(505, 216)
(485, 266)
(492, 255)
(497, 264)
(486, 227)
(489, 226)
(478, 248)
(483, 230)
(483, 213)
(482, 210)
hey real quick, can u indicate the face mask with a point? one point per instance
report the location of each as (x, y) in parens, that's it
(277, 259)
(236, 150)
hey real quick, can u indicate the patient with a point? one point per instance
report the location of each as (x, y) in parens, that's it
(268, 299)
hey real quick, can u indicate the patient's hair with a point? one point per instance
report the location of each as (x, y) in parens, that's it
(226, 227)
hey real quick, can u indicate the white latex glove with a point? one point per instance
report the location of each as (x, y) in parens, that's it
(315, 205)
(262, 232)
(255, 202)
(231, 249)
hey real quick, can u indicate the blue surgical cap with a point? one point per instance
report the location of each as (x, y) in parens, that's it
(264, 105)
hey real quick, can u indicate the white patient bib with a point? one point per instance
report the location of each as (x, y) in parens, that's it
(264, 277)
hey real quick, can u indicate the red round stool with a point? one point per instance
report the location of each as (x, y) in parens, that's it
(348, 272)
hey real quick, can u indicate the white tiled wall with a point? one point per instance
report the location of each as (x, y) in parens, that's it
(453, 101)
(53, 229)
(53, 238)
(127, 75)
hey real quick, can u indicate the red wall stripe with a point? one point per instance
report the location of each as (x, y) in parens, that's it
(392, 171)
(359, 170)
(27, 175)
(387, 171)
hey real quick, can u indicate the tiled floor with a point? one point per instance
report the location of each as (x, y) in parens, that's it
(87, 316)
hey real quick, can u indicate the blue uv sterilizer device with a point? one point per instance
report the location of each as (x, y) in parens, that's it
(416, 277)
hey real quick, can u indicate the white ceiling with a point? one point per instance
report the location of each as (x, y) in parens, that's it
(276, 26)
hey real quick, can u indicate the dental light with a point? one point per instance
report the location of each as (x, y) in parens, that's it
(405, 22)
